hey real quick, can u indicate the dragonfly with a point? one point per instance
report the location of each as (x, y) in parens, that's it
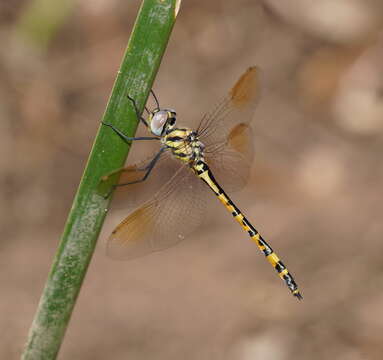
(197, 162)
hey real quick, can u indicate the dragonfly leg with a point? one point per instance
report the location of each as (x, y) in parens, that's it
(127, 138)
(147, 168)
(155, 98)
(146, 109)
(137, 112)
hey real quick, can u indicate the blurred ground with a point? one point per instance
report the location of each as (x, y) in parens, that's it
(315, 192)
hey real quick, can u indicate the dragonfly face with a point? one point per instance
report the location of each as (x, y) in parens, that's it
(161, 120)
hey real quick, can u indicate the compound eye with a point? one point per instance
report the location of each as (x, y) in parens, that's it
(158, 121)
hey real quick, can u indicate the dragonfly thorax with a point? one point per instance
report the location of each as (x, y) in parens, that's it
(184, 144)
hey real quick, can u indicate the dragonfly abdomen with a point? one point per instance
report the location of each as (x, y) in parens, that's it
(203, 171)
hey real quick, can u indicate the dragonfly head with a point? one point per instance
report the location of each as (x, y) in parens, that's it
(161, 119)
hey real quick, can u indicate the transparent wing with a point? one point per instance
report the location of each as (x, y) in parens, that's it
(231, 162)
(134, 172)
(163, 221)
(237, 107)
(134, 194)
(228, 138)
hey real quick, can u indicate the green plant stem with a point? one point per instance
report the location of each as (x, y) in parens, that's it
(135, 77)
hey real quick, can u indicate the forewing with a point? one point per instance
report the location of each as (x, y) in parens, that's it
(237, 107)
(170, 216)
(227, 135)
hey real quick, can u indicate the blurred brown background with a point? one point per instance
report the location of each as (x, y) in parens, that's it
(315, 190)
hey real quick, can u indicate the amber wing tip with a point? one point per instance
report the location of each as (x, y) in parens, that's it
(246, 89)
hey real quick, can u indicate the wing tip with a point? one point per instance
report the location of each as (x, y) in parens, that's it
(252, 68)
(246, 89)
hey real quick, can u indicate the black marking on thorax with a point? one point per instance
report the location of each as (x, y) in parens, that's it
(174, 138)
(184, 144)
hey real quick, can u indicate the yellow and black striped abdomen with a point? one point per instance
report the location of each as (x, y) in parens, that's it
(203, 171)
